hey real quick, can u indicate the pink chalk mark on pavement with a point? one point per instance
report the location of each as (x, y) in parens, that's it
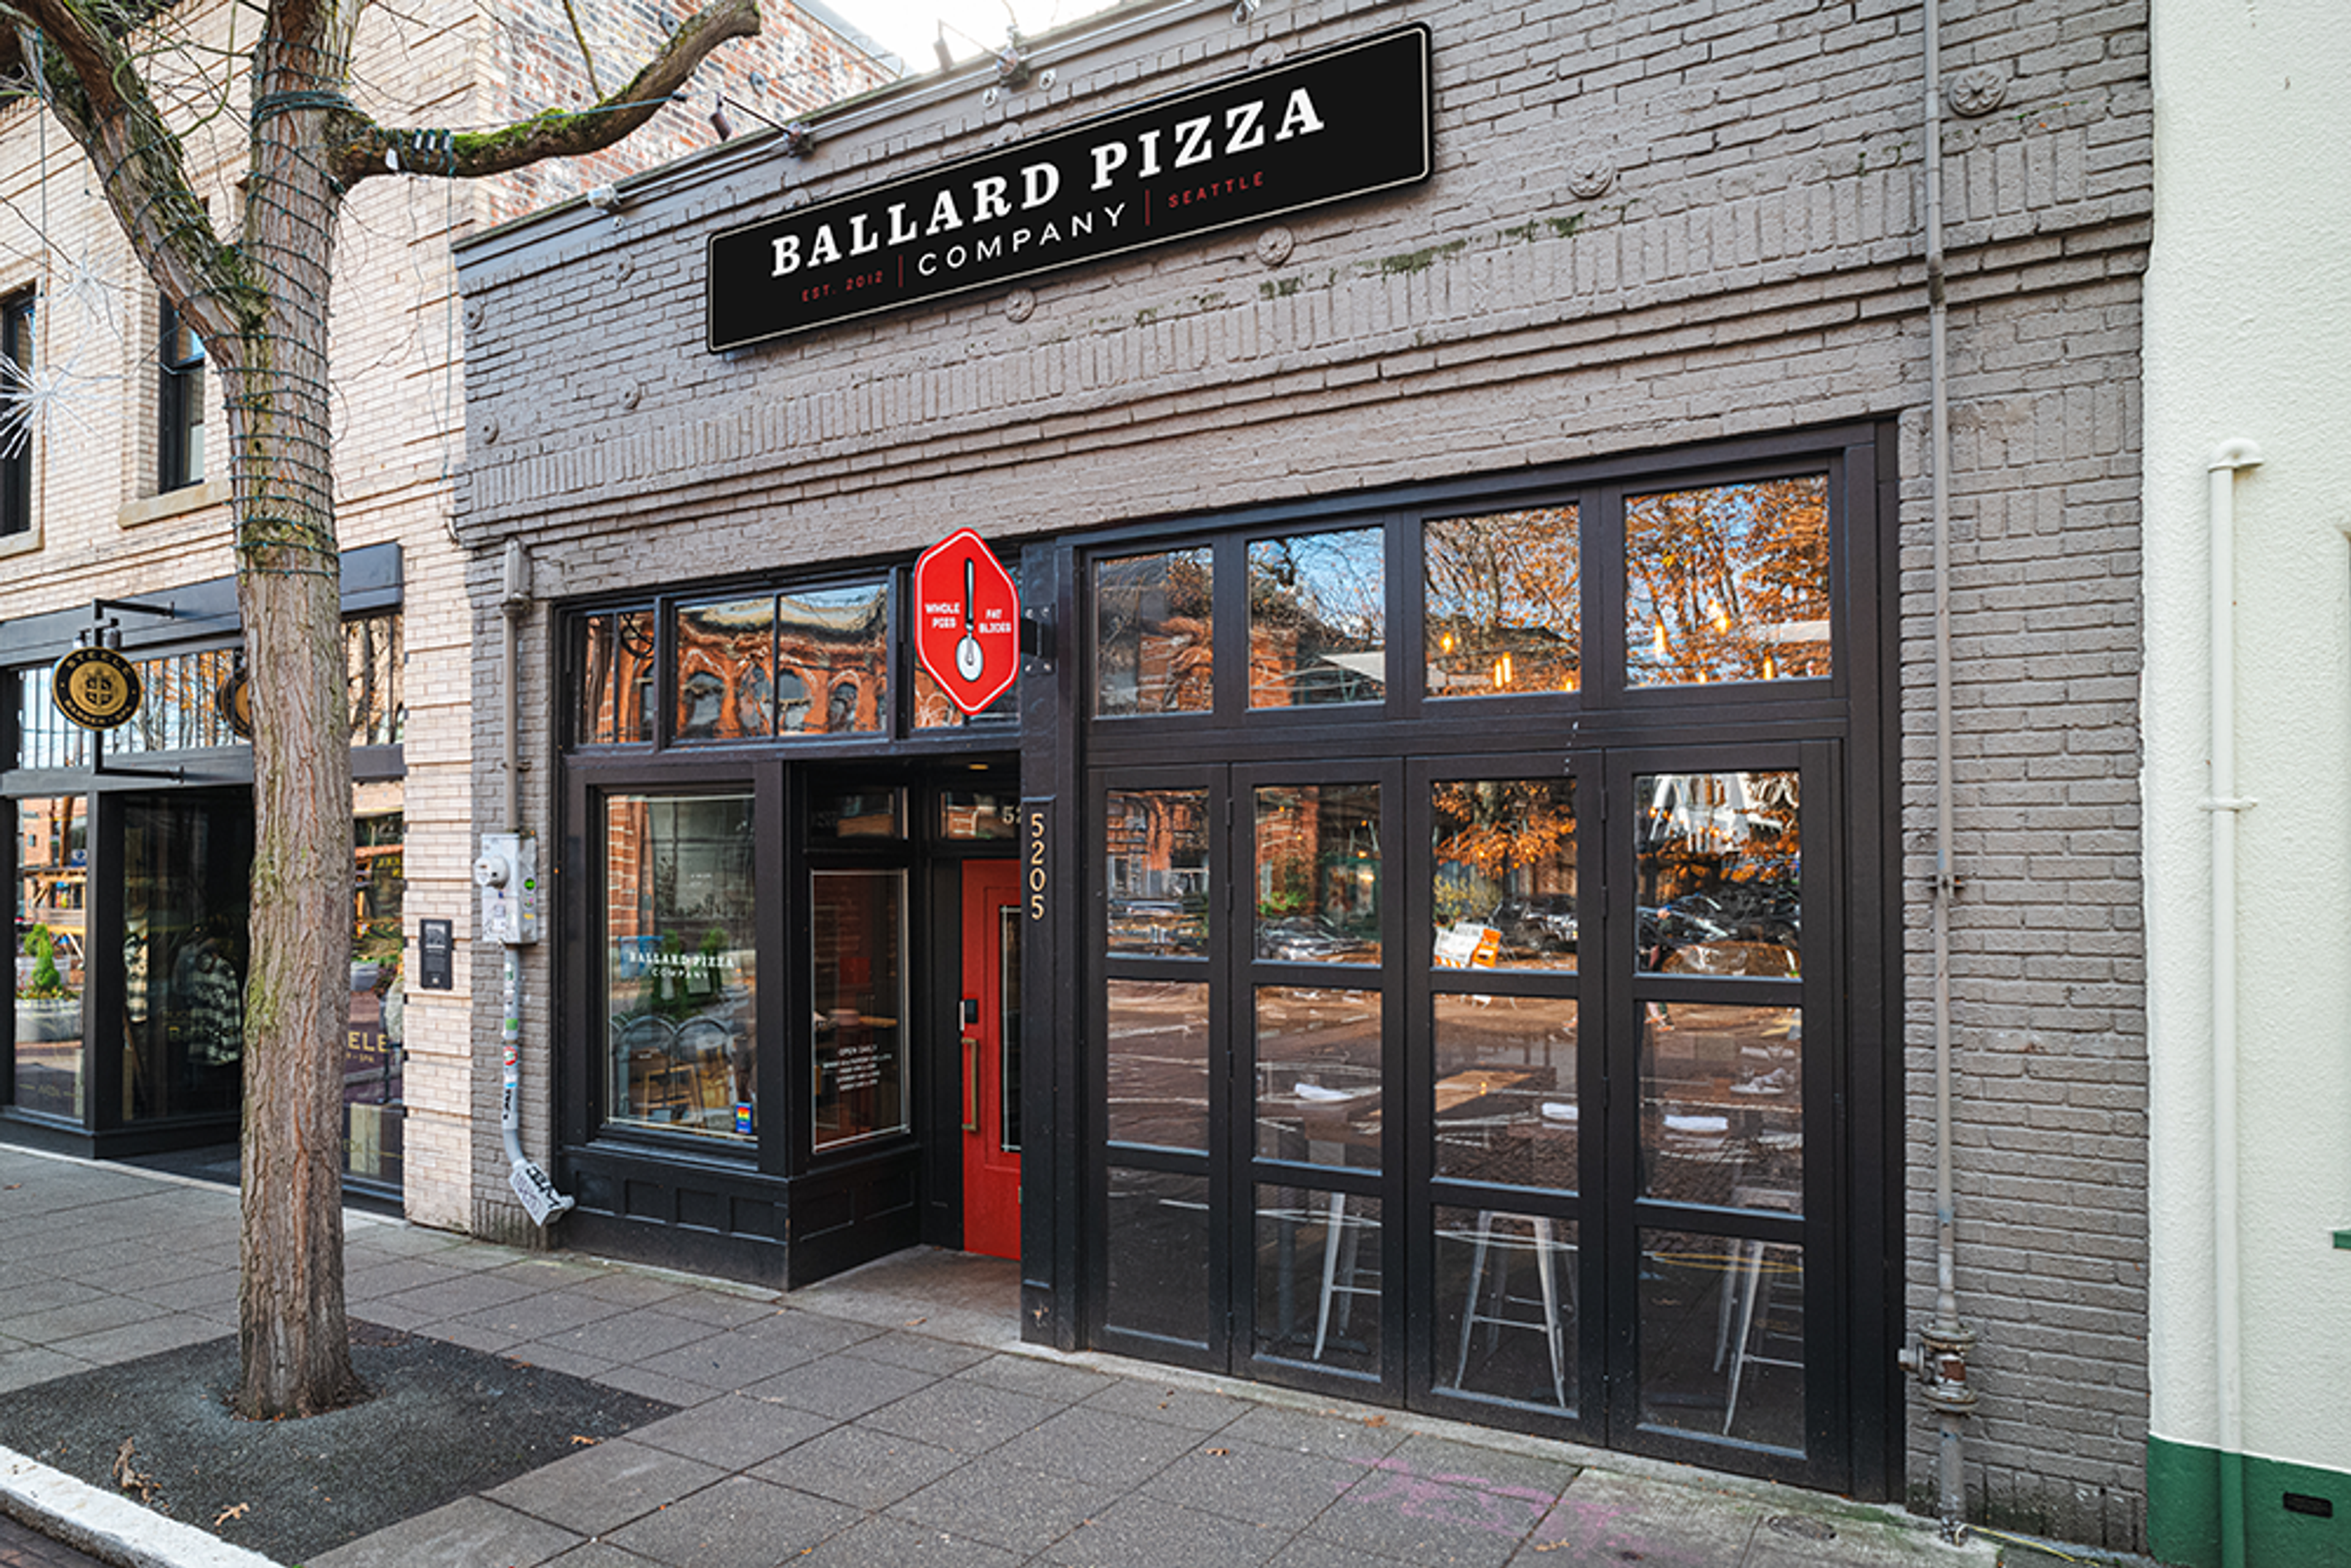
(1472, 1501)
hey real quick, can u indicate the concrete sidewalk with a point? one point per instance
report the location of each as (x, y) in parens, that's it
(887, 1416)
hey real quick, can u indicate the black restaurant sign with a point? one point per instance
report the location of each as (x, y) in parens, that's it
(1342, 122)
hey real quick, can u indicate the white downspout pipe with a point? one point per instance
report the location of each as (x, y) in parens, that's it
(2221, 474)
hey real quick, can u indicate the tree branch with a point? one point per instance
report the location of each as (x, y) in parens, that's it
(358, 145)
(90, 78)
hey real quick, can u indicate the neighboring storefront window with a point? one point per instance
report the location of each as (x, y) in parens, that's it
(1154, 631)
(858, 967)
(681, 965)
(375, 662)
(52, 875)
(1727, 583)
(1317, 620)
(374, 1101)
(1502, 603)
(186, 868)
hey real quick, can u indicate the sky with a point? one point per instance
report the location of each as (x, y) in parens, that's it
(907, 27)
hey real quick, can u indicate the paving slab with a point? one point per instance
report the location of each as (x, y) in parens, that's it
(1278, 1488)
(741, 1522)
(967, 1418)
(598, 1490)
(1144, 1533)
(732, 1432)
(1100, 1446)
(1009, 1505)
(856, 1465)
(885, 1540)
(467, 1533)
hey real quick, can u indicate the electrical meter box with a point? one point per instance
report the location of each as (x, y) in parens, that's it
(507, 876)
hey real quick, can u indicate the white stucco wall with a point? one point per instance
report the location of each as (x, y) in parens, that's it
(2249, 336)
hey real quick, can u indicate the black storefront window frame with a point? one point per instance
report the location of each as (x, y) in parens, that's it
(1853, 707)
(205, 619)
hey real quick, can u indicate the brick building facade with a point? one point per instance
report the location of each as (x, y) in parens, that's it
(102, 516)
(1659, 251)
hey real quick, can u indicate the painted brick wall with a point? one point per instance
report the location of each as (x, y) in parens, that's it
(1755, 267)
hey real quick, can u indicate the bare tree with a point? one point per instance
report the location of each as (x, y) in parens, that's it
(257, 295)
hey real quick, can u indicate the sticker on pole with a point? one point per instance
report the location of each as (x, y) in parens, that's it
(966, 621)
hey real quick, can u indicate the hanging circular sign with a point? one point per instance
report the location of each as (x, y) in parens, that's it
(233, 702)
(96, 688)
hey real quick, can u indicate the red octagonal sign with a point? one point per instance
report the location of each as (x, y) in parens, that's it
(966, 621)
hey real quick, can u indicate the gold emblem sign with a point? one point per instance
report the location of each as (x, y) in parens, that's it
(233, 702)
(95, 688)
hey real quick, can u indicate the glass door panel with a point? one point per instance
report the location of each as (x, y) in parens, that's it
(187, 860)
(1718, 1021)
(1161, 1055)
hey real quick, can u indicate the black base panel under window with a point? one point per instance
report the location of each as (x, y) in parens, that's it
(864, 1211)
(736, 1257)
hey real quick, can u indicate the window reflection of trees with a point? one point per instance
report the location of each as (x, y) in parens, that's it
(1720, 864)
(1154, 632)
(1318, 619)
(1502, 597)
(1505, 858)
(1727, 583)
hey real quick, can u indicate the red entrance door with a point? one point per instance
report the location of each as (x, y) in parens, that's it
(991, 1057)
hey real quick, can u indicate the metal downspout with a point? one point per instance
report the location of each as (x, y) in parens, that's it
(2221, 474)
(1940, 1359)
(529, 1181)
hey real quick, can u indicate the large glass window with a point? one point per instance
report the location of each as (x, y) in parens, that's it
(1505, 873)
(681, 965)
(1727, 583)
(1502, 608)
(1155, 633)
(1719, 857)
(52, 874)
(858, 968)
(1317, 620)
(376, 662)
(1157, 843)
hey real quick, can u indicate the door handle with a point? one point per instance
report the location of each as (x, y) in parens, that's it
(971, 1084)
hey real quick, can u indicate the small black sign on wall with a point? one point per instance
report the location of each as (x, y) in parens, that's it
(435, 954)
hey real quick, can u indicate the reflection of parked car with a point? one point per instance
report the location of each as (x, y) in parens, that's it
(1152, 924)
(1297, 939)
(1546, 923)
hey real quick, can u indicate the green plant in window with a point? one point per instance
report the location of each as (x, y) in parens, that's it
(44, 984)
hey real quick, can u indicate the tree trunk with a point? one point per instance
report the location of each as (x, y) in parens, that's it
(295, 1344)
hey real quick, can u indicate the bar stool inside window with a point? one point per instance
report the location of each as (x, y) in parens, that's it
(1341, 1242)
(1746, 1292)
(1492, 1254)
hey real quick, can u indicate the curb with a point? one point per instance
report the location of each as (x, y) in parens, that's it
(104, 1526)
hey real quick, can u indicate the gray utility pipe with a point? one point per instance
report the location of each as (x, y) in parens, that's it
(1939, 1361)
(530, 1183)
